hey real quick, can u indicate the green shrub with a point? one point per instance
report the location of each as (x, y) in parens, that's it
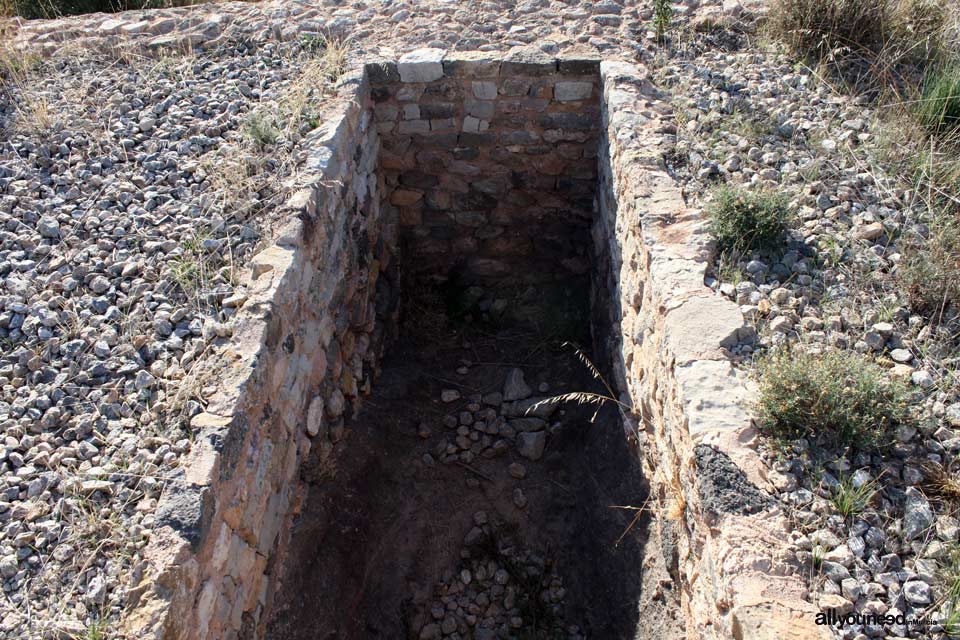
(930, 271)
(744, 220)
(836, 398)
(938, 108)
(260, 130)
(662, 16)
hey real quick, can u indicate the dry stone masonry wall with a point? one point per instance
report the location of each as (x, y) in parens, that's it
(306, 346)
(737, 576)
(488, 170)
(491, 165)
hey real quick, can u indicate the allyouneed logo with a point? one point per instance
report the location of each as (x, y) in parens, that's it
(841, 620)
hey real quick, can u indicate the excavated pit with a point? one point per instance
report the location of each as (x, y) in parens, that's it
(450, 504)
(462, 215)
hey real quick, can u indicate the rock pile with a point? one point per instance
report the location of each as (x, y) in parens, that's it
(497, 591)
(489, 425)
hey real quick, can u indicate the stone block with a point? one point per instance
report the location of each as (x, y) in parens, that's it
(408, 127)
(528, 62)
(315, 416)
(405, 197)
(382, 71)
(519, 137)
(568, 121)
(479, 109)
(421, 65)
(542, 89)
(431, 111)
(573, 91)
(484, 90)
(702, 326)
(411, 111)
(514, 87)
(471, 64)
(579, 66)
(443, 125)
(418, 180)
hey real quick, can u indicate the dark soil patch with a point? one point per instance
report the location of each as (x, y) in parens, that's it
(376, 536)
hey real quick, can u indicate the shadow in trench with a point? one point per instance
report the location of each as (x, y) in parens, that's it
(381, 545)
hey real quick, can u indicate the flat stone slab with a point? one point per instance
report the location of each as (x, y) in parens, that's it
(573, 91)
(421, 65)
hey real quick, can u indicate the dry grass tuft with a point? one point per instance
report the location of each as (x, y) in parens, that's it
(941, 482)
(19, 82)
(585, 397)
(877, 44)
(930, 272)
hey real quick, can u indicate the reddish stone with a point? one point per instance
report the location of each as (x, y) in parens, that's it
(405, 197)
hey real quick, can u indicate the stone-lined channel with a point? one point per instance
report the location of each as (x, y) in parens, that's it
(354, 473)
(454, 505)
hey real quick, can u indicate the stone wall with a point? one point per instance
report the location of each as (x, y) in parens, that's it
(305, 346)
(483, 169)
(491, 164)
(731, 557)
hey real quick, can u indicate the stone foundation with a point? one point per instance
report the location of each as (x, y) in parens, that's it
(306, 345)
(733, 563)
(485, 171)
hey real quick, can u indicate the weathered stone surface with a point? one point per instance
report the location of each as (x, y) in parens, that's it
(531, 444)
(699, 327)
(421, 65)
(573, 91)
(723, 487)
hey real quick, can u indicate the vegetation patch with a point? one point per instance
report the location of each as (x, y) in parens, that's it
(878, 43)
(851, 498)
(949, 575)
(930, 273)
(817, 29)
(834, 398)
(938, 108)
(744, 220)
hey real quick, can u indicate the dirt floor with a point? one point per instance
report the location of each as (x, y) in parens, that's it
(406, 540)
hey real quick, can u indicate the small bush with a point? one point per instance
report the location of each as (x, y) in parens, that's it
(260, 130)
(745, 220)
(662, 16)
(938, 108)
(836, 398)
(930, 271)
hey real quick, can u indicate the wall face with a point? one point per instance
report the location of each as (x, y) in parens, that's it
(307, 342)
(732, 563)
(491, 166)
